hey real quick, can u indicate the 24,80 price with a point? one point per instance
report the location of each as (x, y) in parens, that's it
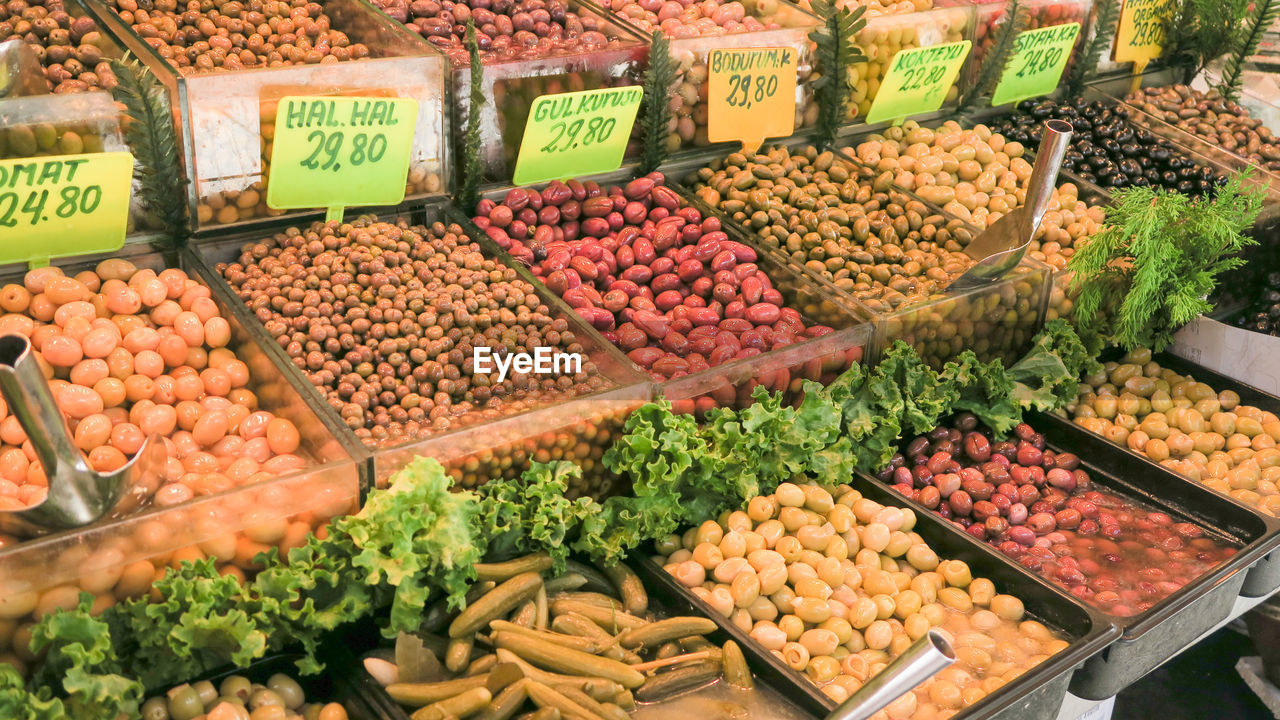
(1039, 60)
(328, 153)
(566, 134)
(73, 200)
(747, 90)
(916, 78)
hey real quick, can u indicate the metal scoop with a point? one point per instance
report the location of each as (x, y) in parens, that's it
(1000, 247)
(925, 658)
(78, 494)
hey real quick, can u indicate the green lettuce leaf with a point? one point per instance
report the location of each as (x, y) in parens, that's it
(984, 389)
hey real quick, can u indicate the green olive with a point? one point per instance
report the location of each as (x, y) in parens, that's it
(236, 686)
(265, 697)
(157, 708)
(288, 689)
(207, 692)
(184, 703)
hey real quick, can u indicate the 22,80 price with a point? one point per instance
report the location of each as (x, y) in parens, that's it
(566, 134)
(747, 90)
(329, 154)
(916, 78)
(72, 200)
(1039, 60)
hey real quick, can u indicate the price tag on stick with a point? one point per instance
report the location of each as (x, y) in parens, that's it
(64, 205)
(1039, 57)
(1140, 34)
(334, 152)
(752, 95)
(576, 133)
(918, 81)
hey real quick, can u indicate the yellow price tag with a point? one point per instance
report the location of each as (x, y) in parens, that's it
(64, 205)
(752, 93)
(1140, 36)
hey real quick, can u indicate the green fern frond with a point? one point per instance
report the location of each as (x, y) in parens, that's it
(1106, 18)
(162, 184)
(472, 168)
(835, 51)
(1247, 44)
(998, 58)
(659, 84)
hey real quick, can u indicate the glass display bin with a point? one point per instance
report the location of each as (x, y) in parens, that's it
(524, 56)
(226, 109)
(217, 500)
(990, 17)
(478, 427)
(777, 23)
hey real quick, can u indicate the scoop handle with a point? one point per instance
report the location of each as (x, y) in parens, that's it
(1055, 140)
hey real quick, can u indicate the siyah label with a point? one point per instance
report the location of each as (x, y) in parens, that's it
(1140, 35)
(918, 81)
(1039, 57)
(334, 152)
(576, 133)
(64, 205)
(752, 94)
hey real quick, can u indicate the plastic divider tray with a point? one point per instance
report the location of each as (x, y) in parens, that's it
(1036, 695)
(1264, 577)
(730, 384)
(1152, 637)
(577, 427)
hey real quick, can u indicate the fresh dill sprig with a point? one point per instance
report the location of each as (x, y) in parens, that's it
(162, 184)
(472, 169)
(835, 51)
(997, 59)
(1152, 268)
(659, 84)
(1247, 44)
(1106, 18)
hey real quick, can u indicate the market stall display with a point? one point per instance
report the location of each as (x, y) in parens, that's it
(1217, 121)
(226, 77)
(991, 17)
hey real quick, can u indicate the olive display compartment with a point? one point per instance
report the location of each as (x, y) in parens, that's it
(689, 58)
(510, 88)
(1264, 578)
(1035, 695)
(225, 120)
(1151, 637)
(731, 384)
(1010, 311)
(48, 572)
(772, 690)
(1039, 14)
(576, 427)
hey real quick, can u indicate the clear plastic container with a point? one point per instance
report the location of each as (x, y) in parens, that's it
(1039, 13)
(786, 25)
(119, 559)
(227, 117)
(485, 443)
(886, 35)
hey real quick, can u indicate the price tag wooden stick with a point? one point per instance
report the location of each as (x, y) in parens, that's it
(752, 94)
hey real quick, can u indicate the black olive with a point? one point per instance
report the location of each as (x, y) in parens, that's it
(1186, 187)
(1169, 178)
(1130, 149)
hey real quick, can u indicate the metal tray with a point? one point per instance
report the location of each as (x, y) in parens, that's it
(1036, 695)
(1264, 576)
(1150, 638)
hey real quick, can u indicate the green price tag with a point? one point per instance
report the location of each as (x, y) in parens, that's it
(1039, 57)
(576, 133)
(64, 205)
(918, 80)
(334, 152)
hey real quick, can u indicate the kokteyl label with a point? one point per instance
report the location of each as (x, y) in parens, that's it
(918, 81)
(576, 133)
(1140, 35)
(1039, 57)
(752, 95)
(334, 152)
(64, 205)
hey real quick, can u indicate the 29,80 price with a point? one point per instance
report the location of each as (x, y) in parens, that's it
(329, 152)
(35, 204)
(564, 135)
(1039, 60)
(1147, 32)
(747, 90)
